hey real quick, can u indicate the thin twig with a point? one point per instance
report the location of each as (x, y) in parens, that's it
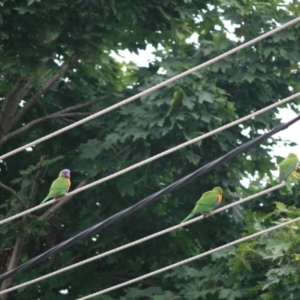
(59, 114)
(11, 104)
(5, 187)
(44, 89)
(68, 120)
(36, 181)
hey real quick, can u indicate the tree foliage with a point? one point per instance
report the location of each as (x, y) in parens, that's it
(57, 67)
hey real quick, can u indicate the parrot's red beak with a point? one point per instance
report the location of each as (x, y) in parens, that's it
(68, 175)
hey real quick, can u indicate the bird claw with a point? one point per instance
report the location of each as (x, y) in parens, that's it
(206, 214)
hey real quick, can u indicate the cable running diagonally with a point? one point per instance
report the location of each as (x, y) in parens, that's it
(146, 201)
(147, 238)
(154, 88)
(146, 161)
(191, 259)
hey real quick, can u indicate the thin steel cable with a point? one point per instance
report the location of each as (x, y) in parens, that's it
(148, 160)
(156, 87)
(28, 211)
(139, 241)
(185, 261)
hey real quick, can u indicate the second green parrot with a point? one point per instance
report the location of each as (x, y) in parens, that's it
(287, 171)
(206, 203)
(59, 186)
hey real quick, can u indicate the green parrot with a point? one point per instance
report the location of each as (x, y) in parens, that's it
(287, 171)
(206, 203)
(59, 186)
(176, 101)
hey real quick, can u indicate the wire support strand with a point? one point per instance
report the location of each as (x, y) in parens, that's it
(148, 160)
(154, 88)
(191, 259)
(139, 241)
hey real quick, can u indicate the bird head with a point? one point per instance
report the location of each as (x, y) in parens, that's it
(292, 155)
(218, 190)
(66, 173)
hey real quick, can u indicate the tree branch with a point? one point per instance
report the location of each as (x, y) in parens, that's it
(122, 150)
(43, 90)
(5, 187)
(12, 264)
(30, 125)
(59, 114)
(81, 105)
(55, 38)
(69, 120)
(75, 114)
(36, 182)
(50, 212)
(11, 104)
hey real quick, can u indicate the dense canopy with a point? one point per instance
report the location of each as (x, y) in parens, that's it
(57, 67)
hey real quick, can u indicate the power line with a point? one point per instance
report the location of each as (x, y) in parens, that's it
(146, 161)
(139, 241)
(156, 87)
(134, 98)
(197, 139)
(28, 211)
(146, 201)
(190, 259)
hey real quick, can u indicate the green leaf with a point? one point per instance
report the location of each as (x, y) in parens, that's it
(192, 157)
(205, 97)
(229, 294)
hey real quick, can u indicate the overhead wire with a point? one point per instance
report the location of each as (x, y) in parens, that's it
(142, 94)
(185, 261)
(148, 200)
(148, 160)
(153, 88)
(28, 211)
(139, 241)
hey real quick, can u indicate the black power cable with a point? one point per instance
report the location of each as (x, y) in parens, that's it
(146, 201)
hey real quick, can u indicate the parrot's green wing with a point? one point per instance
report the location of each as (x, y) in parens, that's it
(204, 204)
(288, 185)
(286, 167)
(59, 187)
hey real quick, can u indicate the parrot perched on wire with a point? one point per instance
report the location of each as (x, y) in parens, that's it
(287, 171)
(59, 186)
(206, 203)
(176, 101)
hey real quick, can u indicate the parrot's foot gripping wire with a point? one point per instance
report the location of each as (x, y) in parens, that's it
(206, 214)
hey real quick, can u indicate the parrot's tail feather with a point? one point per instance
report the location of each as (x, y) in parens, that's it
(44, 200)
(187, 218)
(288, 185)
